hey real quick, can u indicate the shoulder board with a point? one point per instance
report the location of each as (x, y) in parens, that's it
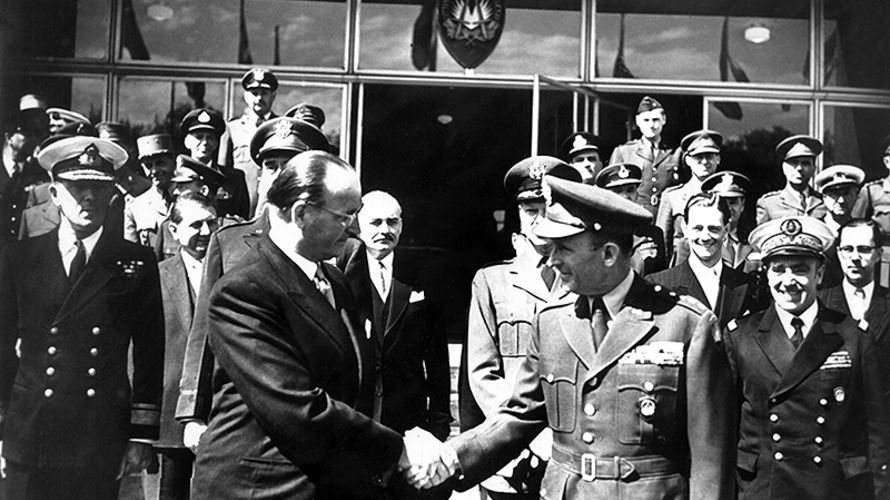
(496, 263)
(771, 193)
(227, 223)
(878, 183)
(692, 304)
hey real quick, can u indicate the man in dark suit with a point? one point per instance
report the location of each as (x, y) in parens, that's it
(704, 276)
(192, 221)
(295, 371)
(810, 402)
(72, 302)
(18, 176)
(626, 374)
(403, 323)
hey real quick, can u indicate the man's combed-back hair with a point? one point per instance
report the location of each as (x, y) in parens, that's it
(303, 179)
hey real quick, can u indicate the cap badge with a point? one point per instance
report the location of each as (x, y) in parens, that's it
(90, 156)
(204, 117)
(536, 171)
(791, 227)
(579, 142)
(282, 129)
(259, 74)
(725, 183)
(547, 193)
(623, 172)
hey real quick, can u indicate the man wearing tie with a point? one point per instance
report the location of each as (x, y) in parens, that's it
(798, 155)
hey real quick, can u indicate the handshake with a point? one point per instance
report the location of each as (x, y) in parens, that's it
(426, 461)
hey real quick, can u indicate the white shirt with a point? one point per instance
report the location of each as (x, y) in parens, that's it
(382, 279)
(284, 240)
(708, 277)
(614, 300)
(68, 247)
(194, 269)
(808, 317)
(858, 306)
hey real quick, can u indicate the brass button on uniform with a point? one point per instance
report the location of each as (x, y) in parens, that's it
(48, 393)
(777, 437)
(96, 330)
(54, 330)
(550, 378)
(94, 351)
(820, 420)
(817, 460)
(773, 417)
(823, 402)
(594, 381)
(587, 437)
(589, 409)
(50, 371)
(778, 456)
(818, 440)
(91, 372)
(648, 386)
(52, 350)
(91, 392)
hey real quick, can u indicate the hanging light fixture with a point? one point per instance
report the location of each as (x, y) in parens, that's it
(160, 11)
(757, 33)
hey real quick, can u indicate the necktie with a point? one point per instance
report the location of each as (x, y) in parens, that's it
(797, 338)
(383, 281)
(547, 273)
(598, 319)
(78, 263)
(861, 306)
(324, 287)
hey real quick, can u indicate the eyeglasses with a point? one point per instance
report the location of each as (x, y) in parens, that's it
(860, 249)
(344, 219)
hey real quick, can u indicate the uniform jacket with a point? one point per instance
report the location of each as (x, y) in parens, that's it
(670, 213)
(804, 415)
(871, 193)
(232, 196)
(143, 216)
(14, 192)
(733, 299)
(660, 351)
(776, 204)
(659, 171)
(298, 433)
(179, 306)
(227, 246)
(234, 150)
(40, 215)
(68, 399)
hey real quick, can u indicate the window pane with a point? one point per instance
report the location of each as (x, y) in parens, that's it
(47, 28)
(685, 41)
(854, 136)
(857, 43)
(84, 94)
(536, 39)
(310, 32)
(156, 106)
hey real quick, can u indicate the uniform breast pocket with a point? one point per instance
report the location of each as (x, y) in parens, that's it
(559, 385)
(514, 327)
(647, 400)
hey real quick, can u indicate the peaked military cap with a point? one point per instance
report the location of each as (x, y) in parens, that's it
(67, 115)
(31, 101)
(702, 141)
(619, 174)
(82, 158)
(259, 78)
(578, 142)
(574, 207)
(202, 119)
(648, 104)
(189, 169)
(155, 144)
(286, 135)
(727, 184)
(837, 176)
(113, 131)
(795, 235)
(310, 114)
(523, 180)
(797, 146)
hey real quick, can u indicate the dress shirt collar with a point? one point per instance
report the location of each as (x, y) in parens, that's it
(708, 277)
(386, 261)
(850, 296)
(194, 269)
(614, 300)
(808, 317)
(285, 241)
(67, 238)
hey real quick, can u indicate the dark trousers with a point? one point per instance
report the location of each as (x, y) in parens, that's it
(176, 473)
(87, 482)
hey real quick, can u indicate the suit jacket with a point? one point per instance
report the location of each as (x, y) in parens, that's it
(659, 171)
(14, 192)
(670, 214)
(227, 246)
(179, 307)
(68, 399)
(733, 299)
(296, 434)
(786, 201)
(660, 351)
(143, 216)
(412, 348)
(805, 414)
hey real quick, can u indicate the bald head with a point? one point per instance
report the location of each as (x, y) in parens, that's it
(380, 223)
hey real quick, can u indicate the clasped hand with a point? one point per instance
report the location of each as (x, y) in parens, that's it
(426, 461)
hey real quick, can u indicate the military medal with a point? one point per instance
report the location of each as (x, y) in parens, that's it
(840, 395)
(647, 406)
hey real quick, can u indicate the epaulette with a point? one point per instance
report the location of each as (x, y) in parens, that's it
(568, 300)
(770, 193)
(876, 182)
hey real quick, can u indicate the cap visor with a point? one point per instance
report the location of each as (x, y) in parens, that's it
(553, 230)
(706, 149)
(86, 175)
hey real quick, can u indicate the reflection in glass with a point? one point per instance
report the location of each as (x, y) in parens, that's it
(856, 38)
(691, 41)
(290, 33)
(854, 136)
(83, 94)
(47, 28)
(544, 40)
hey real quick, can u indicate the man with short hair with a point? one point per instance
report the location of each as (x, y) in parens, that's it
(798, 154)
(876, 192)
(72, 304)
(143, 214)
(732, 187)
(811, 406)
(582, 152)
(19, 174)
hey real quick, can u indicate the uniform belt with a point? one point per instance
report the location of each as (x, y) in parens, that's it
(591, 467)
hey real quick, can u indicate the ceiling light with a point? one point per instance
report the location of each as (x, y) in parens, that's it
(444, 119)
(160, 11)
(757, 33)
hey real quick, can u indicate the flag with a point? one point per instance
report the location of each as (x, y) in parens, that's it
(620, 70)
(729, 68)
(196, 91)
(131, 37)
(423, 37)
(830, 56)
(244, 56)
(276, 54)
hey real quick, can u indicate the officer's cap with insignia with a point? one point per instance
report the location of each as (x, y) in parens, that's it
(189, 169)
(798, 146)
(727, 184)
(82, 158)
(792, 236)
(648, 104)
(259, 78)
(575, 207)
(523, 180)
(702, 141)
(203, 119)
(155, 144)
(838, 176)
(66, 115)
(310, 114)
(30, 102)
(70, 130)
(285, 135)
(619, 174)
(579, 142)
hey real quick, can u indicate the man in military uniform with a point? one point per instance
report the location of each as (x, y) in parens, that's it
(810, 400)
(732, 187)
(506, 296)
(648, 248)
(143, 214)
(309, 113)
(260, 86)
(839, 187)
(660, 163)
(71, 304)
(581, 151)
(59, 117)
(798, 154)
(20, 173)
(202, 129)
(627, 375)
(876, 190)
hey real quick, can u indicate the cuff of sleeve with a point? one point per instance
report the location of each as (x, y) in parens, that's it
(145, 421)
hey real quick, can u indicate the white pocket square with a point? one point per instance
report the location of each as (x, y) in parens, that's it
(416, 297)
(368, 328)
